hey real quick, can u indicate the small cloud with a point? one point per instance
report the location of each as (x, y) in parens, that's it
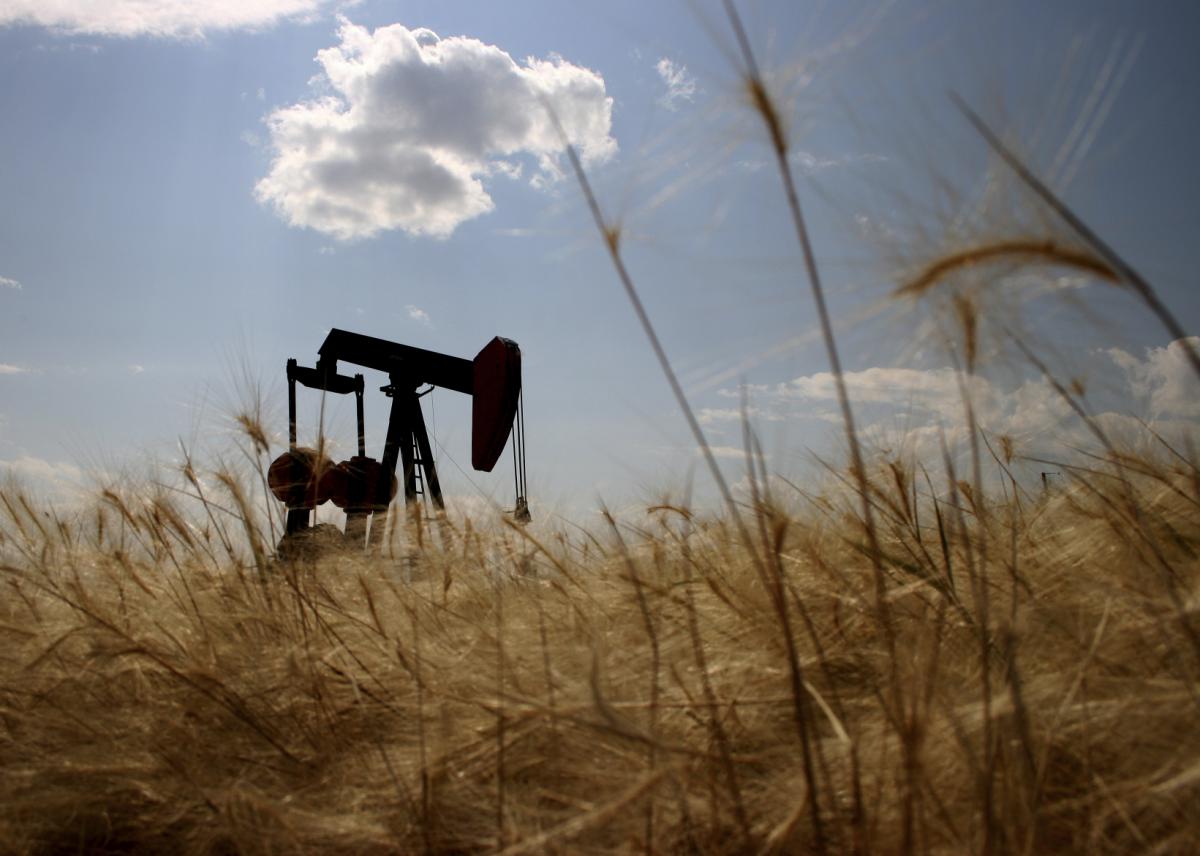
(812, 163)
(1163, 379)
(5, 282)
(718, 415)
(261, 94)
(251, 139)
(5, 368)
(326, 251)
(505, 168)
(418, 314)
(712, 415)
(57, 481)
(681, 86)
(136, 369)
(517, 232)
(729, 452)
(158, 19)
(69, 47)
(747, 487)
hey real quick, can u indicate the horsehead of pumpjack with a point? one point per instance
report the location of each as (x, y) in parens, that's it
(362, 486)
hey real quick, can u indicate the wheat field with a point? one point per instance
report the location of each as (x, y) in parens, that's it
(1020, 678)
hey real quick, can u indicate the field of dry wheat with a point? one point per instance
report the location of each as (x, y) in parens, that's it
(1011, 676)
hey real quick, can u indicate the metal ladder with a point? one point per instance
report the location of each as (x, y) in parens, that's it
(418, 469)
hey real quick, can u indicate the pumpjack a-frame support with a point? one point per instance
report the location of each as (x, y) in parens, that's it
(408, 439)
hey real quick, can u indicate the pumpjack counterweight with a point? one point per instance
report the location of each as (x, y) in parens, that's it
(302, 478)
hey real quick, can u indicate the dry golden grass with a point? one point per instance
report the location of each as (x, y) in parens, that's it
(1031, 685)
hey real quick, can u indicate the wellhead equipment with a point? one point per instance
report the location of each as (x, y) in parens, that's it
(362, 486)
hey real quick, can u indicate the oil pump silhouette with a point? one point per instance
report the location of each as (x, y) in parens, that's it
(362, 486)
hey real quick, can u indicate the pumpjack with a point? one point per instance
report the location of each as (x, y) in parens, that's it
(362, 486)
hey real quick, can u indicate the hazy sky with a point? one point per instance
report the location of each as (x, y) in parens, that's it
(192, 192)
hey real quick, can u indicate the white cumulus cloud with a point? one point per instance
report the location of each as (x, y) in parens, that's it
(5, 368)
(1030, 410)
(912, 409)
(681, 85)
(1164, 379)
(5, 282)
(736, 453)
(162, 18)
(56, 481)
(413, 124)
(418, 314)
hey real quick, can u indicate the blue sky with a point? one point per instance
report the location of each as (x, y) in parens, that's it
(193, 193)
